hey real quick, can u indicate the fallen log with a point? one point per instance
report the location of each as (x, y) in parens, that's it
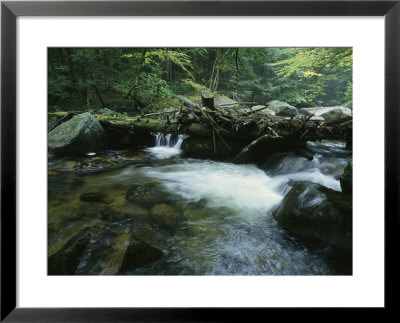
(159, 113)
(242, 131)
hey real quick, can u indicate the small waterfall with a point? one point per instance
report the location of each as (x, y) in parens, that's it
(166, 145)
(168, 140)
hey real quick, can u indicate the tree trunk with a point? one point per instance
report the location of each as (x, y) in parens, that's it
(207, 99)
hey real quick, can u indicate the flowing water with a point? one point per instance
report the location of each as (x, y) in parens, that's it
(207, 217)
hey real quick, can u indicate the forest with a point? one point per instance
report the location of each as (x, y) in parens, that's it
(200, 161)
(81, 78)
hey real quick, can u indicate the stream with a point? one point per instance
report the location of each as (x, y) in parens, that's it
(207, 217)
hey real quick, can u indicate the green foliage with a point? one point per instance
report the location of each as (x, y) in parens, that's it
(92, 77)
(321, 68)
(348, 95)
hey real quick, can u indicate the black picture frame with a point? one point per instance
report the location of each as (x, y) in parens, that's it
(11, 10)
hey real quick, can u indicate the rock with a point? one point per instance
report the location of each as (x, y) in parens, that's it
(146, 195)
(95, 197)
(66, 261)
(263, 111)
(346, 180)
(113, 256)
(164, 213)
(334, 115)
(332, 167)
(330, 114)
(81, 134)
(225, 102)
(150, 236)
(316, 215)
(97, 211)
(100, 164)
(139, 254)
(52, 122)
(282, 109)
(317, 118)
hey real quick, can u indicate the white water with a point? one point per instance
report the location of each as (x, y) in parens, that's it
(245, 189)
(166, 146)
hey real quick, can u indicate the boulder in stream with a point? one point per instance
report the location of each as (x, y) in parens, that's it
(83, 133)
(282, 108)
(316, 215)
(330, 114)
(262, 109)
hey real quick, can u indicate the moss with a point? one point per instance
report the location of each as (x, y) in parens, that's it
(171, 102)
(58, 114)
(162, 104)
(108, 117)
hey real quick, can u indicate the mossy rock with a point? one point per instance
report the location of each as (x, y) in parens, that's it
(83, 133)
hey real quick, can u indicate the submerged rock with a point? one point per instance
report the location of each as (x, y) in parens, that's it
(146, 195)
(95, 197)
(97, 211)
(164, 213)
(66, 261)
(139, 254)
(101, 250)
(81, 134)
(316, 215)
(282, 108)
